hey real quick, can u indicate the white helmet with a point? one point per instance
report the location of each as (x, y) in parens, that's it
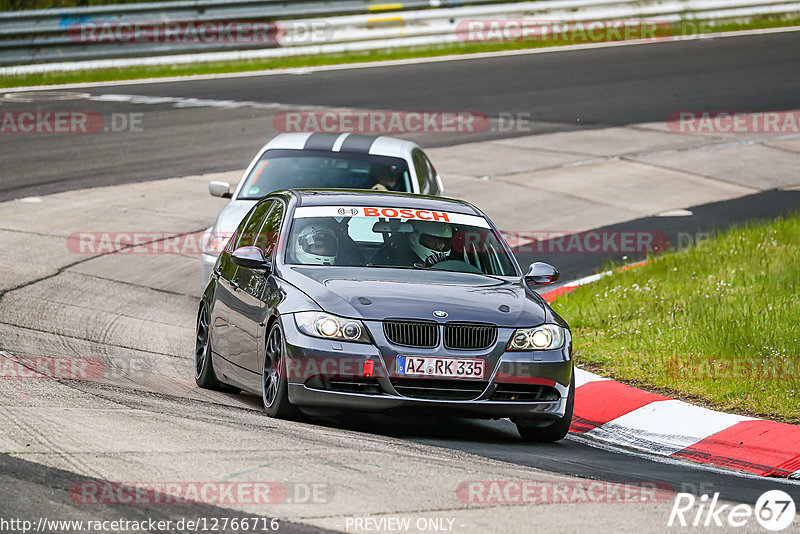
(431, 241)
(316, 244)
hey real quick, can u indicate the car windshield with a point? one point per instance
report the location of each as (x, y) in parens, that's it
(314, 169)
(359, 236)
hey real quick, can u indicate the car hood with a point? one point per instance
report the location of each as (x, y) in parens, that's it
(373, 293)
(231, 215)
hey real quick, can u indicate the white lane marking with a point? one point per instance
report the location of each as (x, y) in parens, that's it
(591, 278)
(181, 102)
(30, 200)
(582, 281)
(665, 427)
(45, 96)
(401, 62)
(680, 212)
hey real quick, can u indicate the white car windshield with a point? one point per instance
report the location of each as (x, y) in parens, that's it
(412, 238)
(313, 169)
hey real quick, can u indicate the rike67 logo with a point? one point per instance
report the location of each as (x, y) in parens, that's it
(774, 510)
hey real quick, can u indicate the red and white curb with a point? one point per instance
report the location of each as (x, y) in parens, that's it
(614, 413)
(549, 296)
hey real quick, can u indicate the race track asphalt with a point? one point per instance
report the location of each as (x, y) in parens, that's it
(564, 91)
(558, 90)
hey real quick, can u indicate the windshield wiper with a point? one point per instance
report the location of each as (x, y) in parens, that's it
(388, 266)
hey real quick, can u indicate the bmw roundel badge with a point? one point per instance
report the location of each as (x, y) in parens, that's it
(440, 314)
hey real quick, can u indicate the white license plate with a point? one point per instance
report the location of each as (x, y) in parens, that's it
(440, 367)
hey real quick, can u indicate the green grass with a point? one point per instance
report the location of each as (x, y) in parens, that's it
(132, 73)
(718, 324)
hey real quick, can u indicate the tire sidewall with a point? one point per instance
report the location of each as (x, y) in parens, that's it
(556, 431)
(281, 403)
(206, 378)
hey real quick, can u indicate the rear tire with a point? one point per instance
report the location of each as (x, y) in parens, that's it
(203, 364)
(553, 432)
(274, 382)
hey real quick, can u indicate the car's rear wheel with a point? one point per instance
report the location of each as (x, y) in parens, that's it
(203, 366)
(533, 431)
(274, 382)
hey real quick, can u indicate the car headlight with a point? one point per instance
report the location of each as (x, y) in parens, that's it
(214, 243)
(544, 337)
(327, 326)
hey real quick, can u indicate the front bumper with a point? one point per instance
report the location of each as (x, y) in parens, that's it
(328, 374)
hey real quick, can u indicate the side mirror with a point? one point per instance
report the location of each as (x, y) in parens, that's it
(220, 189)
(250, 257)
(541, 273)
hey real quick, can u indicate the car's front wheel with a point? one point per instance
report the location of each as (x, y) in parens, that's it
(274, 382)
(203, 366)
(532, 430)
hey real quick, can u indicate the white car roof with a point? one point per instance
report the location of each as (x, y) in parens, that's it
(379, 145)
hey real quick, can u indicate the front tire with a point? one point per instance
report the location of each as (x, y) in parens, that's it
(203, 365)
(274, 382)
(555, 431)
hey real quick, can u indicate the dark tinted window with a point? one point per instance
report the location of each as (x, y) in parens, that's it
(315, 169)
(248, 231)
(268, 237)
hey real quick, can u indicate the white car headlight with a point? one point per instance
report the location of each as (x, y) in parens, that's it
(214, 243)
(544, 337)
(327, 326)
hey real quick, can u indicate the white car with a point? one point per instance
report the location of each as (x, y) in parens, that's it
(319, 161)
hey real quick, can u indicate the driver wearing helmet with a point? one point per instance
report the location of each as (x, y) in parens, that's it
(316, 244)
(431, 241)
(428, 244)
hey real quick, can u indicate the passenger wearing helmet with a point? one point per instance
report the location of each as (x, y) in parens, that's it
(316, 244)
(431, 241)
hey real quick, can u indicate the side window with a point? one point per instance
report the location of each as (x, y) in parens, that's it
(246, 234)
(423, 174)
(268, 236)
(432, 176)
